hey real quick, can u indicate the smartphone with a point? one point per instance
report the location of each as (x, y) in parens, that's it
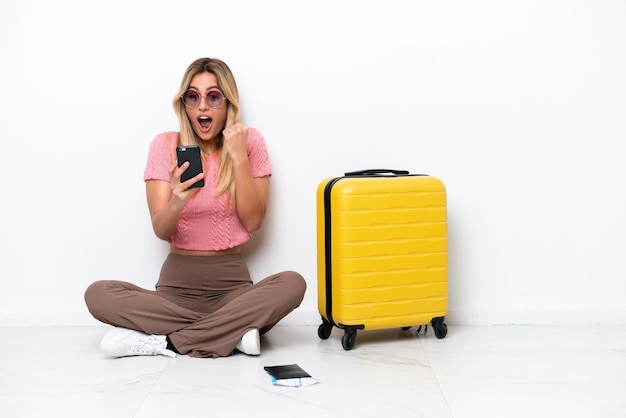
(190, 153)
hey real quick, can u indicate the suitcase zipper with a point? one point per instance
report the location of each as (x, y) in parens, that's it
(327, 250)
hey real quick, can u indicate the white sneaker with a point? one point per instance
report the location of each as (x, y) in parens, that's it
(250, 343)
(122, 342)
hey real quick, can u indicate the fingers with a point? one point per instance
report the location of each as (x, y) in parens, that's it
(235, 141)
(234, 130)
(187, 184)
(182, 189)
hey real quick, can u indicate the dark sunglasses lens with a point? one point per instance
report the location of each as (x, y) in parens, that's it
(191, 98)
(214, 98)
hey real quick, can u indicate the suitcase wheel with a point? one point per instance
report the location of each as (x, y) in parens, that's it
(324, 330)
(348, 339)
(440, 327)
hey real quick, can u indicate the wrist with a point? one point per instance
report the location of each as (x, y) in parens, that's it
(239, 160)
(175, 206)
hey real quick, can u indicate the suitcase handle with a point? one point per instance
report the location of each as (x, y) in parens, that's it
(377, 171)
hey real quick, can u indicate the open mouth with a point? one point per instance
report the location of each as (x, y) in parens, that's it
(205, 123)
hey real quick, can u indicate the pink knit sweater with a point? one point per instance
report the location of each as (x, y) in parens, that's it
(207, 222)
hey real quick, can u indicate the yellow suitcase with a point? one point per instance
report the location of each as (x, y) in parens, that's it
(381, 252)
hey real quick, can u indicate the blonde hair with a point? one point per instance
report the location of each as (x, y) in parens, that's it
(228, 86)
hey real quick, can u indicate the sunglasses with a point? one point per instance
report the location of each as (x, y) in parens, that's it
(192, 98)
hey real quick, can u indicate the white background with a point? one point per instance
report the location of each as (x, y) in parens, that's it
(518, 106)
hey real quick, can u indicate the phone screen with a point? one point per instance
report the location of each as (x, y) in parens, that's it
(190, 153)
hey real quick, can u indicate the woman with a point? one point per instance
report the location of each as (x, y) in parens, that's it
(205, 303)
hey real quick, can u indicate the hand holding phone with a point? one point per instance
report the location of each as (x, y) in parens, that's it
(190, 153)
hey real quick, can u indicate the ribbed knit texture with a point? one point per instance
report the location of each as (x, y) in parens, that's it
(206, 223)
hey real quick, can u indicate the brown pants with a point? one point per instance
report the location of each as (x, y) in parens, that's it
(203, 304)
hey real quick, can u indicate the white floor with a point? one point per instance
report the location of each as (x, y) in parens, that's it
(491, 371)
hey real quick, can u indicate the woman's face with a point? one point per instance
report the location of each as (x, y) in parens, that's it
(207, 121)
